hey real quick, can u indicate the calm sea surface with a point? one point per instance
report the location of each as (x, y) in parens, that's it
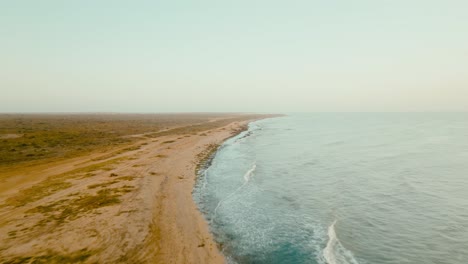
(342, 188)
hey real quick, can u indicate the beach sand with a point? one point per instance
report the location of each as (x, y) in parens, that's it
(127, 205)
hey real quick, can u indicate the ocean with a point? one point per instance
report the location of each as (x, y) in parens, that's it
(338, 188)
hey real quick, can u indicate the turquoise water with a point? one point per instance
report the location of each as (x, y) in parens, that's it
(342, 188)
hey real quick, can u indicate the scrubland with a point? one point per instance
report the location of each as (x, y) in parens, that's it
(106, 188)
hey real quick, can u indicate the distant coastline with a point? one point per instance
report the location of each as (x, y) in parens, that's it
(128, 202)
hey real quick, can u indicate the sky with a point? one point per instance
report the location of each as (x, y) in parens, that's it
(233, 56)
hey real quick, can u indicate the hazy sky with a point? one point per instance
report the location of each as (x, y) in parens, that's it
(269, 56)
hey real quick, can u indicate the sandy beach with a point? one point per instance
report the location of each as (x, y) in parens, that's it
(131, 204)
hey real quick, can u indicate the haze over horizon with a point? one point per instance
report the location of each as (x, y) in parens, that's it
(242, 56)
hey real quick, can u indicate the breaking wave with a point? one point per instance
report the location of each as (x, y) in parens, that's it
(247, 176)
(335, 252)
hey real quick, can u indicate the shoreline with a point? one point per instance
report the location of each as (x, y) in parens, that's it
(213, 253)
(147, 213)
(207, 251)
(206, 162)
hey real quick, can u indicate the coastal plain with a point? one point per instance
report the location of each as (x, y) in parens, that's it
(107, 188)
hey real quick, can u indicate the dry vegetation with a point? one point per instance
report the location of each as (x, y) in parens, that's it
(30, 137)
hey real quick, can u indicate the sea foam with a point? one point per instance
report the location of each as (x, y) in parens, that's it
(247, 176)
(335, 252)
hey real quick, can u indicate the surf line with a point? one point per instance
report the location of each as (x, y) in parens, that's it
(334, 246)
(247, 176)
(332, 240)
(252, 128)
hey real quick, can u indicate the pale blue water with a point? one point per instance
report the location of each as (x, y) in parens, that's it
(342, 188)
